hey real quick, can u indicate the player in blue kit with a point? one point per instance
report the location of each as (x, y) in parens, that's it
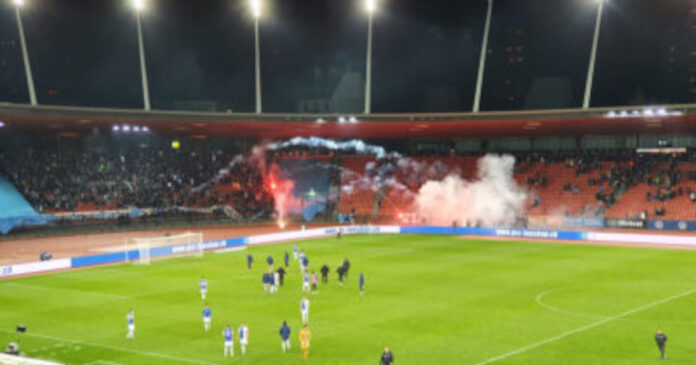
(243, 337)
(305, 282)
(207, 317)
(285, 337)
(287, 259)
(304, 309)
(250, 260)
(228, 335)
(204, 287)
(130, 317)
(269, 260)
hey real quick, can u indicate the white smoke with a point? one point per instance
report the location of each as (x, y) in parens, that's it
(356, 145)
(493, 199)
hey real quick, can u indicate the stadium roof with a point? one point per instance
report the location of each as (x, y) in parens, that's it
(568, 122)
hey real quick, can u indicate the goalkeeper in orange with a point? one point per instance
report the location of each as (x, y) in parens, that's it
(305, 336)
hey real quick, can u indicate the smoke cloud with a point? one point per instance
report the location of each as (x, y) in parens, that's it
(493, 199)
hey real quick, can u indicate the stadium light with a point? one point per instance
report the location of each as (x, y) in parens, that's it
(593, 57)
(256, 12)
(115, 128)
(371, 8)
(2, 124)
(353, 120)
(482, 58)
(341, 119)
(139, 7)
(126, 128)
(18, 4)
(256, 9)
(146, 129)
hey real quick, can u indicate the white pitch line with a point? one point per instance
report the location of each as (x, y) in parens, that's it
(114, 348)
(586, 327)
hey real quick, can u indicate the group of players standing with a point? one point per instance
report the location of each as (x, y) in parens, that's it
(272, 279)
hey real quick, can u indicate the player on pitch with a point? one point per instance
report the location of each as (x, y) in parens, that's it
(130, 317)
(243, 337)
(304, 309)
(228, 335)
(207, 317)
(305, 337)
(204, 287)
(285, 336)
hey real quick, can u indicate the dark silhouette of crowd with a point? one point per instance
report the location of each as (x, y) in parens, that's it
(141, 178)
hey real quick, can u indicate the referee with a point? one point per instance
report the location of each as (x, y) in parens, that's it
(387, 357)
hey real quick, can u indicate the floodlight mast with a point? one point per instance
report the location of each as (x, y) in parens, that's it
(593, 57)
(139, 7)
(256, 10)
(371, 8)
(482, 58)
(18, 4)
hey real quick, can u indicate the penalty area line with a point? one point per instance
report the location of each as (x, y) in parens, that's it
(115, 348)
(586, 327)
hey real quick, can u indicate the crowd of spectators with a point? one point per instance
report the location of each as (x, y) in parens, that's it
(142, 178)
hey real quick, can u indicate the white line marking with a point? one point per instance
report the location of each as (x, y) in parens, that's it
(114, 348)
(586, 327)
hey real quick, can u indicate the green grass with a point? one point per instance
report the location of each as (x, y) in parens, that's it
(432, 299)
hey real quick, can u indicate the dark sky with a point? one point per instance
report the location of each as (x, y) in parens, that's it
(84, 52)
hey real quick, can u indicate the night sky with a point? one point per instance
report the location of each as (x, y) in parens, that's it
(84, 52)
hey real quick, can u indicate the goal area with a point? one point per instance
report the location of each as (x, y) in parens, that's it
(149, 248)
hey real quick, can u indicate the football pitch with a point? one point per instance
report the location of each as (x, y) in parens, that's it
(431, 299)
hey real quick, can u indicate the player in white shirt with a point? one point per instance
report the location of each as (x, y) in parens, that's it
(204, 288)
(207, 317)
(276, 281)
(228, 335)
(243, 337)
(304, 309)
(130, 317)
(305, 282)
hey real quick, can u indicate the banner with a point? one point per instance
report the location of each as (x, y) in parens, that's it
(671, 225)
(625, 223)
(583, 222)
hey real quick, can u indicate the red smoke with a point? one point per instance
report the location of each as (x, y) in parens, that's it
(282, 189)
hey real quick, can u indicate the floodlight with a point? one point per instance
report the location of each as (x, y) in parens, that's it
(371, 6)
(126, 128)
(116, 128)
(136, 129)
(18, 3)
(256, 8)
(138, 5)
(146, 129)
(353, 120)
(341, 119)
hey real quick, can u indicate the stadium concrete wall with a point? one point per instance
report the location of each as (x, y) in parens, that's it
(241, 242)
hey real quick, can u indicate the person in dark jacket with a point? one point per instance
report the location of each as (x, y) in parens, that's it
(287, 259)
(324, 274)
(281, 275)
(341, 271)
(346, 267)
(387, 357)
(661, 341)
(250, 260)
